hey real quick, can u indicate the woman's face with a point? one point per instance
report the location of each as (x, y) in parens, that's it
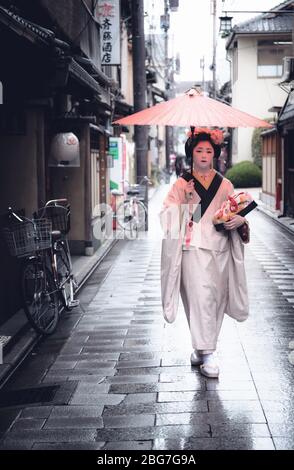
(203, 154)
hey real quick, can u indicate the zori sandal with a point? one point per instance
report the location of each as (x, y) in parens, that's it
(196, 359)
(210, 367)
(210, 370)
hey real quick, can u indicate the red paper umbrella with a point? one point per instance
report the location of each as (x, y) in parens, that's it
(192, 109)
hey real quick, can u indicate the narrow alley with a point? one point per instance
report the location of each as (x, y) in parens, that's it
(116, 376)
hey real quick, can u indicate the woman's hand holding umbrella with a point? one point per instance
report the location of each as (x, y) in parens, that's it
(189, 189)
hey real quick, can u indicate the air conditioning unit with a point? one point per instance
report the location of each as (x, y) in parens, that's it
(174, 5)
(288, 70)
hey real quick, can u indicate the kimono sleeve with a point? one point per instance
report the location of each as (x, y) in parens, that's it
(175, 196)
(171, 251)
(170, 213)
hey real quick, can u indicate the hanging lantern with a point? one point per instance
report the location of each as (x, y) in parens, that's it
(225, 24)
(65, 150)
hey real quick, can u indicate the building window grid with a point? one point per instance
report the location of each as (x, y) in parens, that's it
(270, 56)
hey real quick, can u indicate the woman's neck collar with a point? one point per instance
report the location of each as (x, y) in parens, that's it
(203, 172)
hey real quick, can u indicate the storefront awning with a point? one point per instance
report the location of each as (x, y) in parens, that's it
(78, 72)
(122, 108)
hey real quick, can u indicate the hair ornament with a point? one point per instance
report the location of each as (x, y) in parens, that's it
(216, 135)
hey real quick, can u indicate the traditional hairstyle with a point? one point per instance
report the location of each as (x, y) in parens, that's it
(200, 134)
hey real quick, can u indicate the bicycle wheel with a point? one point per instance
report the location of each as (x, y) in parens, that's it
(64, 273)
(131, 216)
(40, 297)
(141, 215)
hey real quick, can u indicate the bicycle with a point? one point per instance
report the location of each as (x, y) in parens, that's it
(131, 214)
(46, 280)
(60, 258)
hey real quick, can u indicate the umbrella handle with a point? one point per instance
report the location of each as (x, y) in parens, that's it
(192, 131)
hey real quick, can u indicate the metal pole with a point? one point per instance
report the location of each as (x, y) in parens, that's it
(293, 35)
(140, 86)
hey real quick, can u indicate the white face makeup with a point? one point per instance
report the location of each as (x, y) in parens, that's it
(203, 155)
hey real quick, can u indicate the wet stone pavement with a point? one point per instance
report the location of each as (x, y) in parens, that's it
(122, 376)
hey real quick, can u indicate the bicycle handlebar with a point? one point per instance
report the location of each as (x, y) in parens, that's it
(13, 214)
(55, 201)
(145, 179)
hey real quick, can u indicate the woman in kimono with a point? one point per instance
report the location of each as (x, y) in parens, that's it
(208, 258)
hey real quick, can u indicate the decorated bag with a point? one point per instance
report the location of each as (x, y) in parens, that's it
(238, 203)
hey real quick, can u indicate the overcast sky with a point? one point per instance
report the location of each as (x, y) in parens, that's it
(191, 32)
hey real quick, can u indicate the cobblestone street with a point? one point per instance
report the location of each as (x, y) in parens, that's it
(116, 376)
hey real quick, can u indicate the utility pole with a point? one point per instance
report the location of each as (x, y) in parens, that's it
(140, 86)
(165, 27)
(202, 66)
(214, 49)
(293, 36)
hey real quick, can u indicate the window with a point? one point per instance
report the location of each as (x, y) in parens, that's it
(270, 56)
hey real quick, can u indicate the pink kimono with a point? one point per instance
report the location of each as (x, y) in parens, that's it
(204, 266)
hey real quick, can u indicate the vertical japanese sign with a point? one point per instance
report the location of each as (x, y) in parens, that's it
(117, 171)
(109, 19)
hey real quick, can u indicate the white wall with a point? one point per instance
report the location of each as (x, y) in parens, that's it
(251, 94)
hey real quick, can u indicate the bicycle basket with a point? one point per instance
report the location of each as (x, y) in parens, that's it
(26, 238)
(59, 216)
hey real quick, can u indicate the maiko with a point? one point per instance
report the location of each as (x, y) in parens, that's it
(108, 460)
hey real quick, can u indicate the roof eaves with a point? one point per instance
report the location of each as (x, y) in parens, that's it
(25, 28)
(253, 33)
(247, 22)
(282, 5)
(230, 39)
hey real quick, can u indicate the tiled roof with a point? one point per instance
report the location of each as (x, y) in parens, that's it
(269, 23)
(266, 23)
(287, 112)
(20, 24)
(283, 5)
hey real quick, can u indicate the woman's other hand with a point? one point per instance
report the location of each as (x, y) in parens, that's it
(235, 222)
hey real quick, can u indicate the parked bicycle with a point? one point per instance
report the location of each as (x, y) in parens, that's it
(131, 214)
(47, 282)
